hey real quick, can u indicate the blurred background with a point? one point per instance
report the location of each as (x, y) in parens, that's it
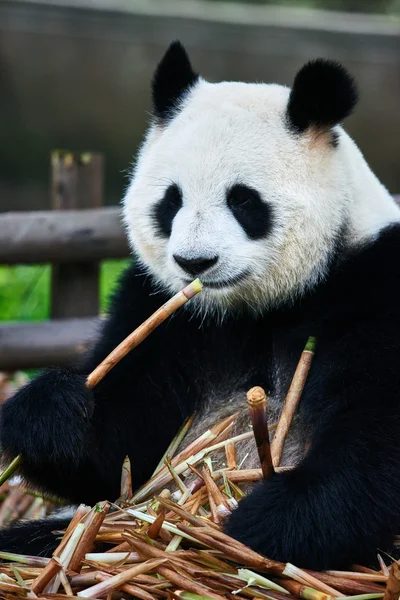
(75, 74)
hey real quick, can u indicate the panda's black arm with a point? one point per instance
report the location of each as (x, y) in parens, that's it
(341, 503)
(73, 441)
(334, 510)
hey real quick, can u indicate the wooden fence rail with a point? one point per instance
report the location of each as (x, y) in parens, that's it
(50, 343)
(62, 236)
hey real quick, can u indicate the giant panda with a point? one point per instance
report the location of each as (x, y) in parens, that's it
(257, 190)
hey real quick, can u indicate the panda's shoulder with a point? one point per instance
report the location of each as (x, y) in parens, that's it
(369, 277)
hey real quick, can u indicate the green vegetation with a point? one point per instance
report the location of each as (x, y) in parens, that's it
(25, 290)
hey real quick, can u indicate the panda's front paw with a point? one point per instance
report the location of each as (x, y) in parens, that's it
(47, 421)
(280, 521)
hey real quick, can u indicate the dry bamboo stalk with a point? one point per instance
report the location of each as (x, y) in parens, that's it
(362, 569)
(141, 333)
(126, 480)
(122, 547)
(347, 587)
(230, 453)
(188, 584)
(150, 551)
(55, 563)
(66, 556)
(392, 591)
(303, 591)
(48, 573)
(257, 403)
(181, 512)
(86, 542)
(305, 578)
(114, 582)
(383, 566)
(154, 530)
(129, 588)
(213, 508)
(81, 513)
(233, 549)
(359, 576)
(213, 491)
(292, 399)
(128, 344)
(10, 469)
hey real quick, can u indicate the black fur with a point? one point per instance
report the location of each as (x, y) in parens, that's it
(172, 79)
(254, 215)
(323, 94)
(337, 506)
(166, 210)
(37, 538)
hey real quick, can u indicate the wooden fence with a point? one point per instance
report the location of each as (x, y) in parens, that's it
(74, 237)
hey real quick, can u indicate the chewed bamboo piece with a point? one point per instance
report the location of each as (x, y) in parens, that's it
(126, 480)
(128, 344)
(392, 591)
(257, 403)
(143, 331)
(291, 401)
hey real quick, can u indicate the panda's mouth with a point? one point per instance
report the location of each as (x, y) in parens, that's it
(223, 283)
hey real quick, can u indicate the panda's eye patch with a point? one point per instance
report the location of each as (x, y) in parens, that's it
(251, 212)
(167, 208)
(173, 196)
(241, 195)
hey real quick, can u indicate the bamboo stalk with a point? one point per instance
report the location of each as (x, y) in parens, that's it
(109, 585)
(129, 588)
(230, 453)
(126, 480)
(303, 591)
(233, 549)
(292, 399)
(141, 333)
(392, 591)
(383, 566)
(86, 542)
(154, 530)
(10, 469)
(188, 584)
(347, 586)
(379, 577)
(307, 579)
(257, 403)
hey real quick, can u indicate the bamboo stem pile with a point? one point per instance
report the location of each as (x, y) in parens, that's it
(166, 539)
(168, 543)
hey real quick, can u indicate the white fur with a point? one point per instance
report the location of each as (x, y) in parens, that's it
(229, 133)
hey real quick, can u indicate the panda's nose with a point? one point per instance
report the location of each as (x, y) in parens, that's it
(195, 266)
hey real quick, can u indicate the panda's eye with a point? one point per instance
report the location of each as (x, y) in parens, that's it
(253, 214)
(241, 196)
(173, 196)
(166, 210)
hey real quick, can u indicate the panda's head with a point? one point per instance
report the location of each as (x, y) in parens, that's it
(247, 186)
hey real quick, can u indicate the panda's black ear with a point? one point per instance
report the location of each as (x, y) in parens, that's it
(323, 94)
(173, 77)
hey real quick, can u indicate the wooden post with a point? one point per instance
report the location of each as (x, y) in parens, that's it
(76, 182)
